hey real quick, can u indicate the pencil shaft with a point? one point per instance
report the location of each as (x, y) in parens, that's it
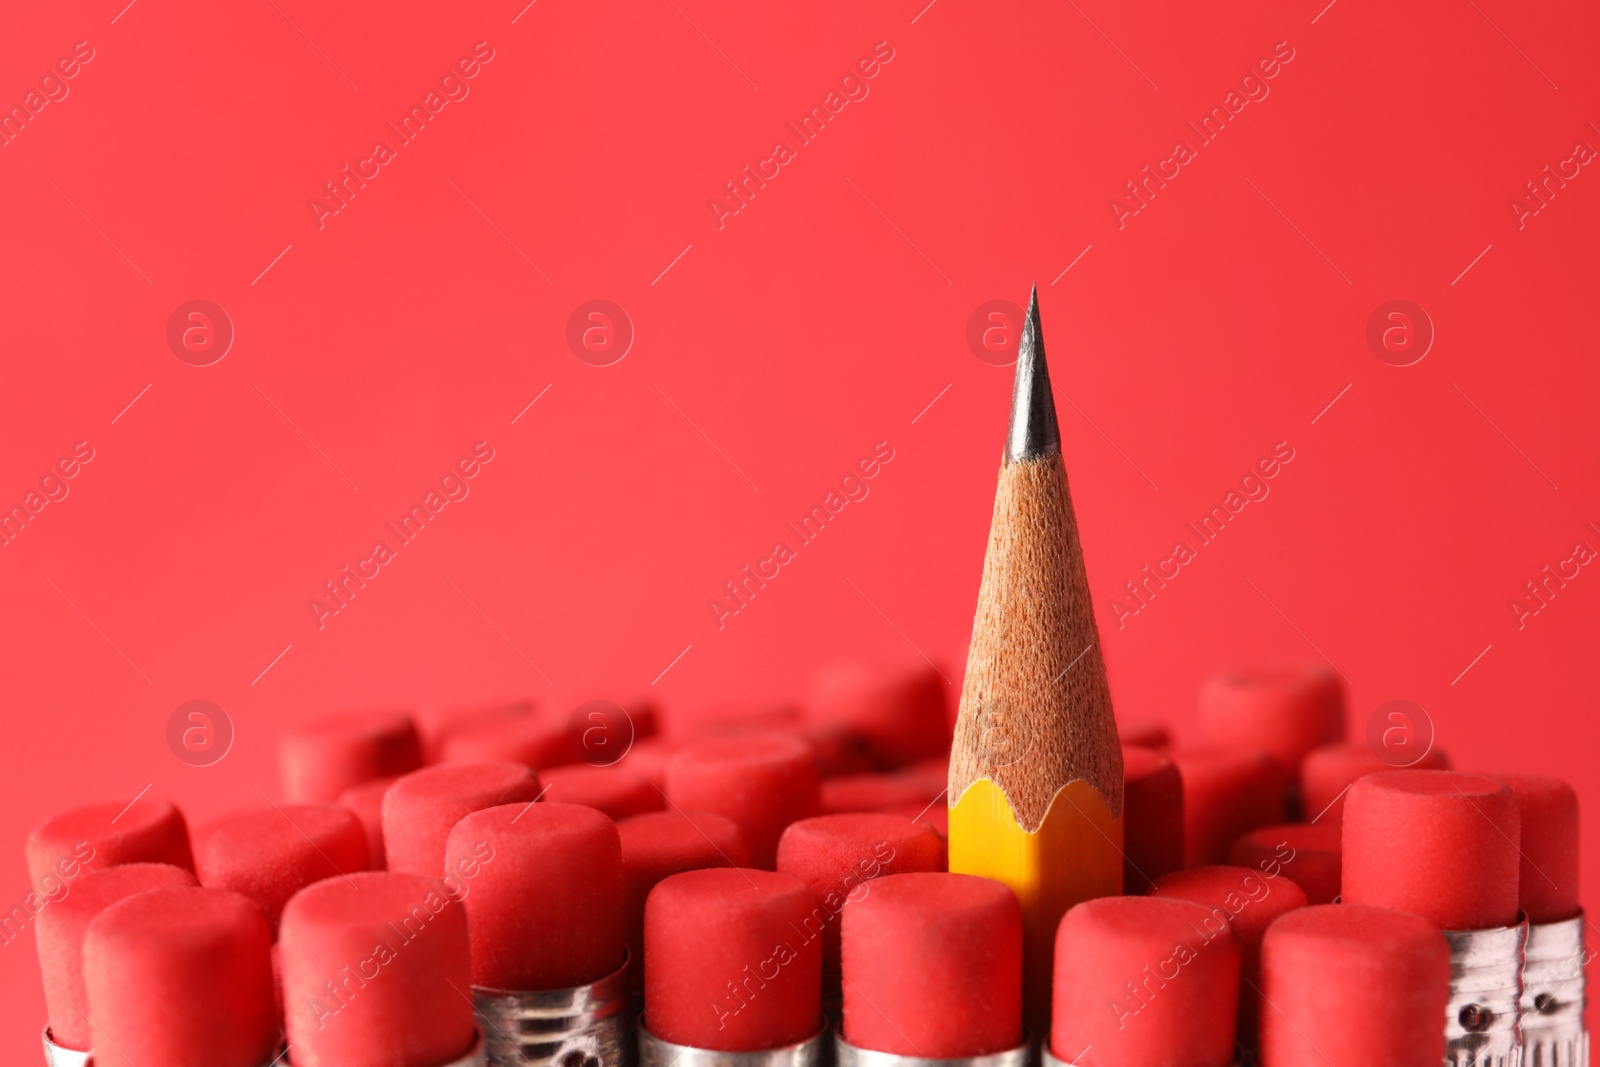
(1036, 767)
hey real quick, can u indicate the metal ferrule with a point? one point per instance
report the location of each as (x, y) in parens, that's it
(588, 1023)
(1553, 999)
(59, 1055)
(848, 1055)
(1481, 1020)
(473, 1058)
(654, 1052)
(1050, 1059)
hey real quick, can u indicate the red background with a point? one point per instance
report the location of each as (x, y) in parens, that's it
(819, 320)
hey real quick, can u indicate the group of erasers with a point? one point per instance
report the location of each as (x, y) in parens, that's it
(761, 876)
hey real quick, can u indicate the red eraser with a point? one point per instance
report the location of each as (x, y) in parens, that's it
(532, 740)
(1226, 793)
(762, 782)
(900, 710)
(1247, 901)
(836, 746)
(149, 830)
(836, 855)
(1328, 771)
(376, 971)
(732, 960)
(1351, 984)
(645, 717)
(618, 793)
(1144, 982)
(935, 816)
(439, 724)
(270, 854)
(542, 884)
(1548, 884)
(648, 759)
(421, 808)
(1438, 844)
(1149, 734)
(366, 802)
(933, 967)
(871, 792)
(180, 976)
(664, 843)
(1287, 710)
(1152, 818)
(323, 758)
(1309, 855)
(738, 720)
(932, 775)
(61, 923)
(839, 747)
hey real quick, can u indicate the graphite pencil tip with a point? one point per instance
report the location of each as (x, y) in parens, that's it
(1033, 432)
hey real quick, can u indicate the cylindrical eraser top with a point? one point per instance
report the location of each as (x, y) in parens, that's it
(270, 854)
(661, 844)
(542, 884)
(180, 976)
(620, 794)
(64, 920)
(1246, 901)
(1152, 818)
(835, 855)
(421, 808)
(1439, 844)
(648, 759)
(147, 830)
(732, 960)
(1144, 982)
(762, 782)
(931, 775)
(838, 747)
(1148, 734)
(533, 740)
(1308, 853)
(438, 724)
(366, 802)
(872, 792)
(1329, 771)
(1226, 793)
(1287, 710)
(933, 967)
(935, 817)
(1353, 984)
(376, 973)
(1549, 880)
(321, 759)
(900, 710)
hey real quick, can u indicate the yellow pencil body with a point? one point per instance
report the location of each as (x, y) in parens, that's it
(1075, 855)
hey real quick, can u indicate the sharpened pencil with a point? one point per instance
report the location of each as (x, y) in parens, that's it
(1036, 768)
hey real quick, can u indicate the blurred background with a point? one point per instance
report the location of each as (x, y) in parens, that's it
(1238, 305)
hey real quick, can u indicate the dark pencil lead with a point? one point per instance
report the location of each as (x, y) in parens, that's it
(1033, 431)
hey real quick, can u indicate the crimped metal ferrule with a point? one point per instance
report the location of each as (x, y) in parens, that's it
(1050, 1059)
(585, 1025)
(59, 1055)
(473, 1058)
(848, 1055)
(654, 1052)
(1482, 1018)
(1553, 996)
